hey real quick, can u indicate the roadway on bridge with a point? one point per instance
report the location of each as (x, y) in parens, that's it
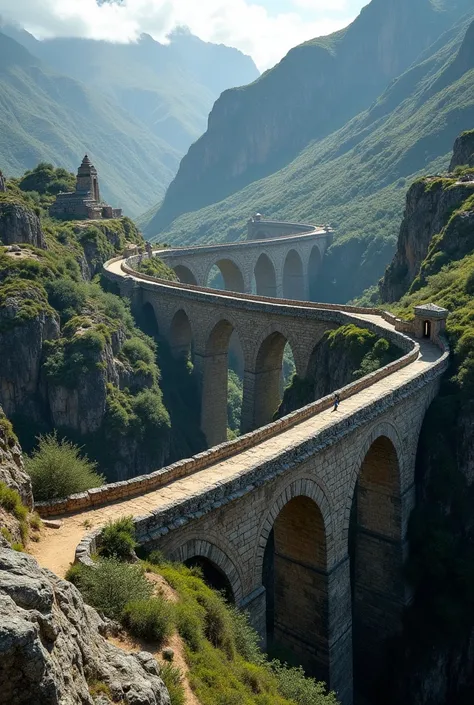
(57, 546)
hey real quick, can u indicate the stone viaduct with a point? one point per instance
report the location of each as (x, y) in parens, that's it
(302, 520)
(282, 267)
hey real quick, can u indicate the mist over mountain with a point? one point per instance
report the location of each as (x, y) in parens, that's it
(135, 107)
(411, 65)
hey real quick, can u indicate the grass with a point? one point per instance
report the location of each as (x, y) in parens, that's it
(10, 500)
(225, 663)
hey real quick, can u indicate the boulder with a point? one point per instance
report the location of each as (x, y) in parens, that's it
(51, 648)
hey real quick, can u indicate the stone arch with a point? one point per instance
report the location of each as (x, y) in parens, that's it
(265, 276)
(199, 548)
(314, 267)
(293, 277)
(303, 487)
(185, 274)
(293, 560)
(231, 274)
(376, 550)
(180, 335)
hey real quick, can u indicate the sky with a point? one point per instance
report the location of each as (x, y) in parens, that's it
(264, 29)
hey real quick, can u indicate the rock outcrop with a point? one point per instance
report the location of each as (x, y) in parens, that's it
(20, 225)
(429, 207)
(463, 154)
(52, 651)
(12, 471)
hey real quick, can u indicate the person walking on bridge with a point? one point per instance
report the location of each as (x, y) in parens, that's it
(337, 400)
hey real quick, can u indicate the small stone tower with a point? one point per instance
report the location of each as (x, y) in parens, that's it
(3, 185)
(87, 180)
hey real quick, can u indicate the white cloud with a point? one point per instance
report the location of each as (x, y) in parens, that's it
(323, 5)
(239, 23)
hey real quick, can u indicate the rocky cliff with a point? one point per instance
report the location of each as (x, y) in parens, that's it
(463, 154)
(430, 204)
(19, 224)
(12, 472)
(53, 646)
(434, 658)
(314, 90)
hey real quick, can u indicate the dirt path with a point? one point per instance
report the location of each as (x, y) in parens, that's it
(128, 643)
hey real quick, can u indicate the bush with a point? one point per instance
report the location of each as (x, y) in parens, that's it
(294, 685)
(173, 680)
(10, 500)
(149, 619)
(189, 624)
(218, 625)
(118, 539)
(109, 585)
(57, 470)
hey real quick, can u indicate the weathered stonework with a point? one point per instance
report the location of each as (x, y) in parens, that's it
(277, 510)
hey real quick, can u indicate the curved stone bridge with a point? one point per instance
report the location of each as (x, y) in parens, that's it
(282, 267)
(302, 520)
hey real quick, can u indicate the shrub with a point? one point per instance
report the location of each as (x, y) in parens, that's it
(294, 685)
(218, 626)
(136, 350)
(189, 624)
(149, 619)
(109, 585)
(66, 296)
(246, 638)
(10, 500)
(118, 539)
(173, 680)
(57, 469)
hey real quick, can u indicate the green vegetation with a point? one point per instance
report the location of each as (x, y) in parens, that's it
(342, 356)
(118, 539)
(354, 178)
(149, 619)
(224, 659)
(155, 267)
(57, 469)
(173, 680)
(10, 500)
(110, 585)
(98, 342)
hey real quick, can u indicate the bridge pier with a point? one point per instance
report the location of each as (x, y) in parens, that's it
(212, 374)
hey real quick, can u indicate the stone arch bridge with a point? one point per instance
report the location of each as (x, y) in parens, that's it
(303, 519)
(282, 267)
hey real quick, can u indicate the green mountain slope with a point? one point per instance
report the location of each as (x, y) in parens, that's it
(48, 117)
(170, 88)
(315, 90)
(356, 178)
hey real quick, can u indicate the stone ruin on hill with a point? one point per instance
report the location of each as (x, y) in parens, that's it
(84, 203)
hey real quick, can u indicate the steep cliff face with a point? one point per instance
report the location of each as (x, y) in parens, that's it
(434, 658)
(53, 646)
(463, 150)
(316, 88)
(429, 206)
(19, 224)
(12, 472)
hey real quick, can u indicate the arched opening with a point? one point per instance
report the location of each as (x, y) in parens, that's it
(235, 386)
(376, 555)
(185, 275)
(427, 329)
(267, 393)
(226, 275)
(314, 267)
(265, 277)
(293, 277)
(221, 386)
(181, 336)
(296, 584)
(213, 576)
